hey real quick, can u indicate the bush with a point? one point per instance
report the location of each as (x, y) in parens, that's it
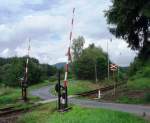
(92, 59)
(147, 97)
(53, 79)
(12, 69)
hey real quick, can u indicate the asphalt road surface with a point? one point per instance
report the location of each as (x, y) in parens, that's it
(44, 93)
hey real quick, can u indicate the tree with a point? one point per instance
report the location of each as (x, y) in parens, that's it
(12, 69)
(84, 67)
(131, 21)
(77, 47)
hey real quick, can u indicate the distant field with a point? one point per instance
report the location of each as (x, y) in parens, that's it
(48, 114)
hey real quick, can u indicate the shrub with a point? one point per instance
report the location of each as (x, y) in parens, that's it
(147, 97)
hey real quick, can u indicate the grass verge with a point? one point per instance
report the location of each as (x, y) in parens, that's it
(11, 96)
(47, 114)
(78, 86)
(139, 84)
(137, 92)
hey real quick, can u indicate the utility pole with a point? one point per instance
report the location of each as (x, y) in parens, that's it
(59, 92)
(118, 72)
(119, 69)
(96, 73)
(107, 62)
(114, 83)
(24, 82)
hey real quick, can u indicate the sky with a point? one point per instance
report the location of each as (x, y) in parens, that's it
(48, 22)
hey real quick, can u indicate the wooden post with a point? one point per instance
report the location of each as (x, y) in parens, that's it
(96, 73)
(59, 93)
(114, 83)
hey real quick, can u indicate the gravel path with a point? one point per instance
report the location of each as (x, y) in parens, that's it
(44, 93)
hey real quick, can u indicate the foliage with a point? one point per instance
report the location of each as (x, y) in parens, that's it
(134, 67)
(77, 47)
(78, 114)
(127, 100)
(78, 86)
(139, 69)
(139, 84)
(11, 96)
(130, 20)
(91, 58)
(12, 69)
(53, 79)
(147, 97)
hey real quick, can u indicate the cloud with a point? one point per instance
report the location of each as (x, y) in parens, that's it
(47, 23)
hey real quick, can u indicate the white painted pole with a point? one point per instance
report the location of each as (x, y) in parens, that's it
(99, 94)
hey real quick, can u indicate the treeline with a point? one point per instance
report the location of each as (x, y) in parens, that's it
(13, 69)
(91, 63)
(139, 68)
(88, 63)
(123, 15)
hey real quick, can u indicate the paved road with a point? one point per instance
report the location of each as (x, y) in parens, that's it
(44, 94)
(135, 109)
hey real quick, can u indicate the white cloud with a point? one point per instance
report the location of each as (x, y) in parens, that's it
(6, 53)
(49, 30)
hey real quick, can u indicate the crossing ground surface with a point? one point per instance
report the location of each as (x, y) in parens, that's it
(43, 93)
(141, 110)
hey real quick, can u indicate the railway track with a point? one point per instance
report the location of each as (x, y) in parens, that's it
(102, 89)
(10, 110)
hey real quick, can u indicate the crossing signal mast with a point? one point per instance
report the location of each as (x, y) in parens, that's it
(24, 81)
(69, 58)
(62, 89)
(113, 68)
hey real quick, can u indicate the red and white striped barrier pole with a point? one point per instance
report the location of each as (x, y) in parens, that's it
(69, 53)
(68, 60)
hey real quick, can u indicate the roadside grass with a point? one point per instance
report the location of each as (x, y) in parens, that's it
(8, 96)
(139, 83)
(38, 115)
(78, 86)
(48, 114)
(39, 85)
(136, 85)
(134, 100)
(128, 100)
(12, 96)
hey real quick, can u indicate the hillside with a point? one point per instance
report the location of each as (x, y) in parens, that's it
(59, 65)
